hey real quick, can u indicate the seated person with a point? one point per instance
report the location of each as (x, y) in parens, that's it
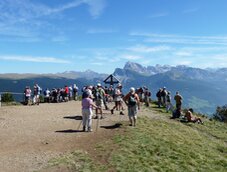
(192, 118)
(176, 113)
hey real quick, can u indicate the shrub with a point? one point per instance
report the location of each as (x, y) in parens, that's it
(7, 97)
(221, 113)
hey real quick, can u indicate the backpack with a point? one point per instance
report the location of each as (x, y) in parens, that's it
(98, 95)
(132, 100)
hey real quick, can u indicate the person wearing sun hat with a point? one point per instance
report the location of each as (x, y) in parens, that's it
(133, 102)
(117, 99)
(99, 96)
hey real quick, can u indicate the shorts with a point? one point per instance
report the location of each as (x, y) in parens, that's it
(132, 111)
(99, 103)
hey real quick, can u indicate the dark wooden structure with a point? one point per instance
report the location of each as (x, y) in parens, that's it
(111, 79)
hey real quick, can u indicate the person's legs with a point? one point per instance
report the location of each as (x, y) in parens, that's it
(89, 121)
(134, 120)
(84, 119)
(101, 112)
(115, 106)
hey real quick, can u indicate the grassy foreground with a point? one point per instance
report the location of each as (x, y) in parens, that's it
(157, 144)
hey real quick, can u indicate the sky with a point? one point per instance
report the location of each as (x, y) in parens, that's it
(50, 36)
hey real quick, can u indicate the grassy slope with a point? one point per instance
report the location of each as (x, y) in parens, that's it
(159, 144)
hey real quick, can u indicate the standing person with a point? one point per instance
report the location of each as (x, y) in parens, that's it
(70, 92)
(159, 97)
(37, 91)
(75, 92)
(111, 93)
(27, 94)
(147, 95)
(105, 99)
(117, 99)
(178, 98)
(133, 102)
(87, 104)
(169, 106)
(163, 95)
(46, 95)
(99, 100)
(66, 94)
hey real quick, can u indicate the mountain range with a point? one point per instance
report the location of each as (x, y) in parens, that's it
(202, 89)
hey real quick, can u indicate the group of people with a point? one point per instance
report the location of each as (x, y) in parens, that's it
(94, 97)
(54, 95)
(98, 97)
(164, 100)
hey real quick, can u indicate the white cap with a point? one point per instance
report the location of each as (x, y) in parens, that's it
(132, 90)
(99, 85)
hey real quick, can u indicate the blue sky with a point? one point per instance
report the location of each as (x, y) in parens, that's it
(49, 36)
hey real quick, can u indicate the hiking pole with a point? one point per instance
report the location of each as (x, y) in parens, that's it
(80, 124)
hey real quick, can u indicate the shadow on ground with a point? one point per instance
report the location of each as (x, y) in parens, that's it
(117, 125)
(69, 131)
(77, 117)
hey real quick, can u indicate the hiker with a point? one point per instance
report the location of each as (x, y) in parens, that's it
(159, 97)
(105, 99)
(163, 96)
(66, 93)
(37, 91)
(87, 105)
(46, 95)
(27, 95)
(147, 95)
(70, 92)
(110, 93)
(139, 92)
(169, 106)
(54, 95)
(178, 98)
(133, 102)
(191, 118)
(118, 99)
(75, 92)
(99, 100)
(176, 113)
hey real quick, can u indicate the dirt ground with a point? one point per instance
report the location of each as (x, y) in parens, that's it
(32, 135)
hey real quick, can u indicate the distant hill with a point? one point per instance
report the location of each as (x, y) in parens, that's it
(202, 89)
(17, 82)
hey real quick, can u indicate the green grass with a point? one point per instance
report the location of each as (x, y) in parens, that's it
(76, 161)
(158, 145)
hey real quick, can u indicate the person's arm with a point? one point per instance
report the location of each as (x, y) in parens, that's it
(125, 99)
(93, 104)
(138, 101)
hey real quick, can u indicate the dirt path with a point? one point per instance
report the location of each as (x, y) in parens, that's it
(32, 135)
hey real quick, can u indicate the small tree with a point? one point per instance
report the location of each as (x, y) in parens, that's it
(221, 113)
(7, 97)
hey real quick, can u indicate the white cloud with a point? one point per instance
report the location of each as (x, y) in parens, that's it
(181, 39)
(146, 49)
(97, 63)
(131, 57)
(183, 53)
(95, 31)
(33, 59)
(28, 19)
(96, 7)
